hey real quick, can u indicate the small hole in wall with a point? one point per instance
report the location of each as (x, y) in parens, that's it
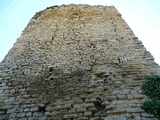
(50, 69)
(83, 99)
(41, 108)
(45, 73)
(120, 60)
(100, 75)
(101, 110)
(98, 105)
(71, 105)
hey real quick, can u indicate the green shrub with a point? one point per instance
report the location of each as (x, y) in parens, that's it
(152, 106)
(151, 88)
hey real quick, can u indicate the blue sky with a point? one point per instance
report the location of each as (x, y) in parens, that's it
(142, 16)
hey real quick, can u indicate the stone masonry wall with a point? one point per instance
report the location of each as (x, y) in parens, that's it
(75, 62)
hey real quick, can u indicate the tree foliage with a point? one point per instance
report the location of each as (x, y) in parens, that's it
(151, 88)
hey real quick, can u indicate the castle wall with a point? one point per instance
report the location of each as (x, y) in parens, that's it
(75, 62)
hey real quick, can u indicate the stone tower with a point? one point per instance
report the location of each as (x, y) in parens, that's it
(75, 62)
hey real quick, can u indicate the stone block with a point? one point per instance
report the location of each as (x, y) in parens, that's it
(49, 109)
(146, 115)
(26, 109)
(77, 105)
(38, 114)
(42, 118)
(134, 110)
(87, 113)
(28, 114)
(105, 103)
(4, 117)
(19, 115)
(34, 109)
(47, 113)
(32, 118)
(23, 119)
(5, 107)
(137, 96)
(88, 105)
(13, 110)
(67, 106)
(70, 116)
(100, 114)
(1, 91)
(12, 115)
(129, 97)
(121, 97)
(81, 110)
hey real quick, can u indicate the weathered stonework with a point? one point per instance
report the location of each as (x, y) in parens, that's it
(75, 62)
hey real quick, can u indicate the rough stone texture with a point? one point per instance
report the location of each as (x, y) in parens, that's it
(75, 62)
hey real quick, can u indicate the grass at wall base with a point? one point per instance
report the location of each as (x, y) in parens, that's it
(151, 88)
